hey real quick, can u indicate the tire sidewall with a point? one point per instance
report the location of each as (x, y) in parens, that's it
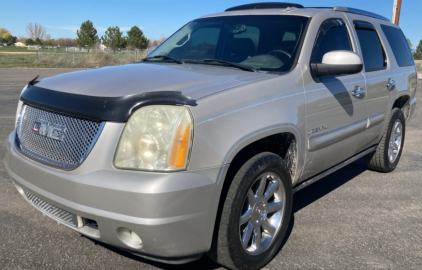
(397, 114)
(238, 253)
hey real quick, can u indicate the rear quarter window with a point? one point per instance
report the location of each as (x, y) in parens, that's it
(399, 46)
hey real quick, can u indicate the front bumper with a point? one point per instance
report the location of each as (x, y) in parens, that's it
(173, 213)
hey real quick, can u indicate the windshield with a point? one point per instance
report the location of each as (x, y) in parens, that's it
(263, 42)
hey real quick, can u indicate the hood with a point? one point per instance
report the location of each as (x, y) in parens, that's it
(193, 80)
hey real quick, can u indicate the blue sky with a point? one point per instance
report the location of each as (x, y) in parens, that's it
(163, 17)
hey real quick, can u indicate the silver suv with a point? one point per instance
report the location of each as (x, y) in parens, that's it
(199, 147)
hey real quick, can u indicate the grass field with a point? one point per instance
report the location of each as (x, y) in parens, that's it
(18, 57)
(14, 49)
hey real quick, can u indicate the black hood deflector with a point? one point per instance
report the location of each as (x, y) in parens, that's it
(113, 109)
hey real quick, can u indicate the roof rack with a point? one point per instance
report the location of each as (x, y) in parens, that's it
(360, 12)
(271, 5)
(264, 5)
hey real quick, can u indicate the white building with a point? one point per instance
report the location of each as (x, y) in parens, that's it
(20, 44)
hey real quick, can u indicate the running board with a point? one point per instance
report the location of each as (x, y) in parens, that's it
(333, 169)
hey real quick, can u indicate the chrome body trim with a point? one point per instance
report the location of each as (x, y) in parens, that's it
(53, 211)
(47, 159)
(335, 168)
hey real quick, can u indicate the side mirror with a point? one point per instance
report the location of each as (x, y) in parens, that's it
(151, 49)
(338, 63)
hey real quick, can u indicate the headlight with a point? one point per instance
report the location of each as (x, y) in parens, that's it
(156, 138)
(20, 103)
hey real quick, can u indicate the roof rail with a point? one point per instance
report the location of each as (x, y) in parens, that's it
(264, 5)
(360, 12)
(271, 5)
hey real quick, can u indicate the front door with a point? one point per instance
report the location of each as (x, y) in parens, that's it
(336, 116)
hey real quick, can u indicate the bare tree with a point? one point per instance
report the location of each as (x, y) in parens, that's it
(157, 42)
(35, 31)
(47, 37)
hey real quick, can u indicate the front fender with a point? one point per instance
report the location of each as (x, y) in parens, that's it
(246, 114)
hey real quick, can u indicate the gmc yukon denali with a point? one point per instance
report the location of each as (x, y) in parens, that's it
(199, 148)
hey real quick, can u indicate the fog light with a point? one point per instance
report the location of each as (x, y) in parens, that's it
(129, 238)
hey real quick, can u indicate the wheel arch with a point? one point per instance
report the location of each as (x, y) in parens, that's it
(403, 103)
(251, 138)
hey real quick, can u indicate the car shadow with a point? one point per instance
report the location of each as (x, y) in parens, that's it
(205, 263)
(327, 184)
(319, 189)
(339, 91)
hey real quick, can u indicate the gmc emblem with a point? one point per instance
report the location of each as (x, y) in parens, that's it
(49, 130)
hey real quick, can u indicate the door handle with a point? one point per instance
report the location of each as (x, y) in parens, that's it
(359, 92)
(391, 84)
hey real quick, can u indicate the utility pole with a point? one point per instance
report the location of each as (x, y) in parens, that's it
(396, 11)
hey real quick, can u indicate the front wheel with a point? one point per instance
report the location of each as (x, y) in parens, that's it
(255, 215)
(388, 153)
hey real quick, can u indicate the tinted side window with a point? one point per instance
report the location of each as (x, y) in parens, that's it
(332, 36)
(373, 53)
(399, 46)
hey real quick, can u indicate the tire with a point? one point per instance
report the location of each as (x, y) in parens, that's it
(265, 174)
(387, 155)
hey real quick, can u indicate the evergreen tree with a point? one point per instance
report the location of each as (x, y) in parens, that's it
(11, 39)
(136, 38)
(38, 41)
(410, 43)
(418, 54)
(86, 35)
(419, 48)
(29, 41)
(113, 38)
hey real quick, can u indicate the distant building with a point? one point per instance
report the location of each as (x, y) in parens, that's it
(103, 47)
(20, 44)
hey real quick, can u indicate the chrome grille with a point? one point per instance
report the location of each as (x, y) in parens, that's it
(55, 212)
(80, 136)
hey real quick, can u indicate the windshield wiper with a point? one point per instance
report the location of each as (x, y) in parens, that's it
(242, 67)
(165, 57)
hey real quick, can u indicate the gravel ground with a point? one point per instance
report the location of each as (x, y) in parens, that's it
(352, 219)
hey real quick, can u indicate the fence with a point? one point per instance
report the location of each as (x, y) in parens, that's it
(82, 57)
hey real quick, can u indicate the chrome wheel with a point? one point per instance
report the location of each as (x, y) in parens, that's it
(396, 139)
(262, 214)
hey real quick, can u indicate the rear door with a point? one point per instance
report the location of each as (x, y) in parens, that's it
(378, 72)
(336, 118)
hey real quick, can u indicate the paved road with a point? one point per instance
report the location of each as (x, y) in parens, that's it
(353, 219)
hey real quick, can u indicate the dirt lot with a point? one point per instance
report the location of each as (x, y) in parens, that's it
(353, 219)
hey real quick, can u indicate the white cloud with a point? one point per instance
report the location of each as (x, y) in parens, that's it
(70, 28)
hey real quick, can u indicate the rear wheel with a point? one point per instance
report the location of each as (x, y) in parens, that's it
(255, 215)
(388, 153)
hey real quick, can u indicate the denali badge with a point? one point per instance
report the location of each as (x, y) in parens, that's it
(318, 129)
(49, 130)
